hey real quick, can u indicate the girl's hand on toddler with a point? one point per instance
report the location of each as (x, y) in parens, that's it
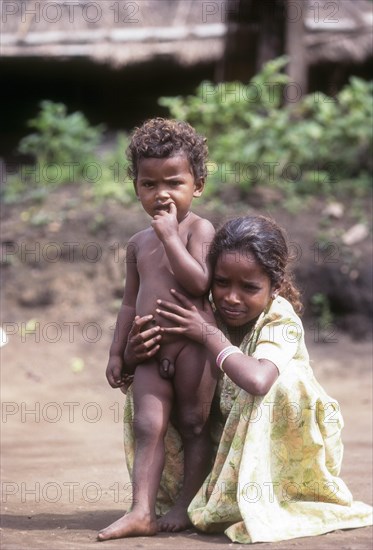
(165, 223)
(192, 322)
(141, 345)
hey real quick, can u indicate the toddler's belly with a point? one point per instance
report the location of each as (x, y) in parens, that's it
(166, 338)
(147, 305)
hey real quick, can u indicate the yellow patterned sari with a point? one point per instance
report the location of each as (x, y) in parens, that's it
(275, 475)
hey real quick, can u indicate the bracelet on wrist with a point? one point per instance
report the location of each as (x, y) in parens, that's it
(226, 352)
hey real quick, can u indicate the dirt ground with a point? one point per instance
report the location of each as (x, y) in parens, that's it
(63, 473)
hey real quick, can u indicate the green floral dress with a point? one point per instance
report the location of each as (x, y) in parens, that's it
(275, 475)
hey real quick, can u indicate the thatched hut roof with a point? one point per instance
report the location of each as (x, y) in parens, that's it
(337, 31)
(119, 33)
(127, 32)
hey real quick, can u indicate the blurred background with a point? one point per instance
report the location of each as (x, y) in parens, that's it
(281, 89)
(112, 60)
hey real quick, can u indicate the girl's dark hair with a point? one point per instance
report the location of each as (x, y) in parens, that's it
(267, 242)
(161, 138)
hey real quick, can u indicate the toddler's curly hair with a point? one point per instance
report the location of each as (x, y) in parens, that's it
(161, 138)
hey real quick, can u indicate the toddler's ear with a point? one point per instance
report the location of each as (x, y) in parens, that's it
(199, 186)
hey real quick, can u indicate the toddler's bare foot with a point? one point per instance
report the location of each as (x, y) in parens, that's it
(175, 520)
(133, 524)
(166, 368)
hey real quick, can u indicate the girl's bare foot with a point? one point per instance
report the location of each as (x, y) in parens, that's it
(133, 524)
(176, 519)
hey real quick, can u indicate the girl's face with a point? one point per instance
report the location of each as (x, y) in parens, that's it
(241, 289)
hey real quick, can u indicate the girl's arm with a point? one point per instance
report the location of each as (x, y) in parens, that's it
(116, 367)
(189, 263)
(255, 376)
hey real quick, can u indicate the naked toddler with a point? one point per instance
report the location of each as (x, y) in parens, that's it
(168, 168)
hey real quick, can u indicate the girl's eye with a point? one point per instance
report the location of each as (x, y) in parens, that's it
(174, 183)
(251, 288)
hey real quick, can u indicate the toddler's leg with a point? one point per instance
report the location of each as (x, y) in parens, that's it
(152, 401)
(194, 384)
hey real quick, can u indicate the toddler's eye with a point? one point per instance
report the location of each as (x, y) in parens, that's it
(220, 282)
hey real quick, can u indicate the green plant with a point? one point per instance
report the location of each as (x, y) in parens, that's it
(60, 137)
(318, 145)
(114, 182)
(321, 308)
(65, 148)
(62, 144)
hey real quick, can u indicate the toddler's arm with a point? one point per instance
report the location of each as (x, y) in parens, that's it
(116, 367)
(187, 262)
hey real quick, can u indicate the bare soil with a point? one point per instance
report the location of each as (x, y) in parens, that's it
(63, 473)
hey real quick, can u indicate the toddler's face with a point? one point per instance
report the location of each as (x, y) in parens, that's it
(163, 181)
(241, 289)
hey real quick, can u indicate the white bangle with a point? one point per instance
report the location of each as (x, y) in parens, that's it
(226, 352)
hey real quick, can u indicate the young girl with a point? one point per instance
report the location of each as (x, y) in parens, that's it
(280, 451)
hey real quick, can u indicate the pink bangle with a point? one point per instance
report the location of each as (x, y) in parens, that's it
(226, 352)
